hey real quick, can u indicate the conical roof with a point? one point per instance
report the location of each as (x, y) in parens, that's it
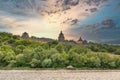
(80, 39)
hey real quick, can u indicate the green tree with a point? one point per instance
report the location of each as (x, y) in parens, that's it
(93, 62)
(46, 63)
(117, 62)
(35, 63)
(20, 60)
(60, 48)
(74, 59)
(117, 52)
(79, 50)
(8, 53)
(19, 49)
(1, 58)
(39, 53)
(59, 60)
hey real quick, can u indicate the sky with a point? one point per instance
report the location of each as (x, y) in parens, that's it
(93, 20)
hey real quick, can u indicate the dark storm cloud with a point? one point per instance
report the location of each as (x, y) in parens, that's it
(71, 2)
(95, 2)
(74, 21)
(117, 7)
(107, 24)
(92, 10)
(118, 4)
(66, 4)
(71, 21)
(106, 29)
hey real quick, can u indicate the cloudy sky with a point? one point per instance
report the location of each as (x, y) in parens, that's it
(94, 20)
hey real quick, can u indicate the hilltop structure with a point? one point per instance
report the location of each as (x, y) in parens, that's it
(61, 38)
(81, 41)
(25, 35)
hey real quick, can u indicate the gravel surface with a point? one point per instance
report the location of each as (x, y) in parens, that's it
(59, 75)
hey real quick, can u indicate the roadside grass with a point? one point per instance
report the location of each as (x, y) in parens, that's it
(28, 68)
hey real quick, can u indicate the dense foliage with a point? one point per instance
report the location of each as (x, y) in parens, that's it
(17, 52)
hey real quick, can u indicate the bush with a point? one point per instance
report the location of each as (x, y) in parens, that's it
(46, 63)
(35, 63)
(60, 48)
(20, 60)
(117, 51)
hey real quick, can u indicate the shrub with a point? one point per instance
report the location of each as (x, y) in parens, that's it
(46, 63)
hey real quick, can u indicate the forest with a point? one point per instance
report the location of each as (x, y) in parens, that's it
(17, 52)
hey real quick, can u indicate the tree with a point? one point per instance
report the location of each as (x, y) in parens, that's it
(93, 62)
(35, 63)
(67, 47)
(60, 48)
(52, 44)
(73, 59)
(20, 60)
(1, 58)
(25, 42)
(19, 49)
(117, 62)
(111, 49)
(94, 48)
(117, 51)
(79, 50)
(105, 59)
(46, 63)
(7, 54)
(59, 60)
(51, 52)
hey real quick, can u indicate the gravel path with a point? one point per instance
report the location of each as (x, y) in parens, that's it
(59, 75)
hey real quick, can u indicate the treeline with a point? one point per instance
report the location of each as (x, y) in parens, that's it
(17, 52)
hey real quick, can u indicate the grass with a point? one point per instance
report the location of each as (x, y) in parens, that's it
(28, 68)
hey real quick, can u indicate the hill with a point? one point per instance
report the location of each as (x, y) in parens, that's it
(18, 52)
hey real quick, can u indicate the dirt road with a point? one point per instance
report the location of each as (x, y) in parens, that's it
(58, 75)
